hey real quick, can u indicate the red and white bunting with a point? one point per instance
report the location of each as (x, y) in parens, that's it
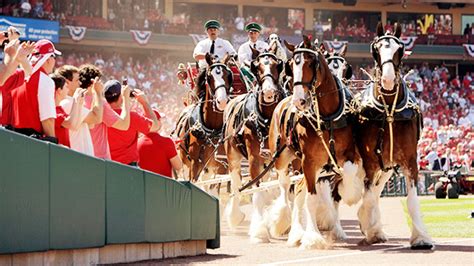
(409, 42)
(469, 48)
(141, 37)
(76, 33)
(335, 46)
(198, 37)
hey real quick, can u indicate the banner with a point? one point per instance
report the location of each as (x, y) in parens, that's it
(469, 48)
(32, 29)
(77, 33)
(141, 37)
(335, 46)
(198, 37)
(409, 42)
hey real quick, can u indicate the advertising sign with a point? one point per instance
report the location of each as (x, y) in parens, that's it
(32, 29)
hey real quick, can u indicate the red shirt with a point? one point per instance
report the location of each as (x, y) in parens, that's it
(155, 152)
(123, 143)
(14, 81)
(62, 133)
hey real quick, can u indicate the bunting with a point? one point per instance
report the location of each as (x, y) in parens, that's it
(469, 48)
(198, 37)
(141, 37)
(77, 33)
(335, 46)
(409, 42)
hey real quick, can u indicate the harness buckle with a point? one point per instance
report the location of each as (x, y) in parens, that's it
(390, 119)
(319, 132)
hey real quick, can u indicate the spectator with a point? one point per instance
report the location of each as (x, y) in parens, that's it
(34, 109)
(25, 8)
(157, 153)
(89, 75)
(65, 121)
(123, 143)
(80, 137)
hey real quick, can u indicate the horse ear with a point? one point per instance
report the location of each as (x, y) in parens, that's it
(255, 52)
(209, 59)
(289, 46)
(398, 30)
(273, 49)
(344, 50)
(348, 74)
(254, 67)
(380, 29)
(226, 59)
(306, 41)
(322, 48)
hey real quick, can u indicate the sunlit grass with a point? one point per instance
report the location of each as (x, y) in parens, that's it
(448, 218)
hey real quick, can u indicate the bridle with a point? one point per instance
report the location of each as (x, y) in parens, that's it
(225, 86)
(375, 54)
(269, 76)
(312, 83)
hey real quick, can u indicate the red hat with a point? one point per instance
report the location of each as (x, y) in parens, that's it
(43, 47)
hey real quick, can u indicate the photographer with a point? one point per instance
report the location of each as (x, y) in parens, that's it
(123, 143)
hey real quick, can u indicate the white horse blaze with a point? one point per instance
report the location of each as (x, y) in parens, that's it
(298, 90)
(386, 52)
(268, 86)
(220, 93)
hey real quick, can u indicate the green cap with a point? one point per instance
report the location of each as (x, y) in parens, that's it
(212, 24)
(253, 27)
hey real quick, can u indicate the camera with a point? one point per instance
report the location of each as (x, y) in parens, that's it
(125, 83)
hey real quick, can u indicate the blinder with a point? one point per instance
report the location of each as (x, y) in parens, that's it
(375, 53)
(230, 75)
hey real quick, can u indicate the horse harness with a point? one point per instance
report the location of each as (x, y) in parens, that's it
(369, 108)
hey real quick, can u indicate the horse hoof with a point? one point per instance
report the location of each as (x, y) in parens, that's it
(423, 246)
(373, 240)
(313, 240)
(256, 240)
(280, 220)
(235, 219)
(338, 235)
(294, 236)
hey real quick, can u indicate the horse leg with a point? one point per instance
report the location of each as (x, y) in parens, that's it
(312, 238)
(280, 213)
(297, 231)
(258, 231)
(419, 236)
(233, 213)
(369, 211)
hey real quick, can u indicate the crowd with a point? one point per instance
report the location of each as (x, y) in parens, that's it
(447, 104)
(73, 104)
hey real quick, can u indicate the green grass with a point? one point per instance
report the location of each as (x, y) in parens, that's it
(446, 218)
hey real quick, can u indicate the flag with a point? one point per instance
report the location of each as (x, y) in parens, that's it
(141, 37)
(77, 33)
(409, 42)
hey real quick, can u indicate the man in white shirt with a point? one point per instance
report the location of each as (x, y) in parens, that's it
(214, 45)
(245, 52)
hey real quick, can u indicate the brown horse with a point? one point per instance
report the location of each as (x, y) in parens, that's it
(200, 125)
(246, 131)
(315, 124)
(387, 135)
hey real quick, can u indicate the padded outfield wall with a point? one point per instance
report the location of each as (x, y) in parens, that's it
(54, 198)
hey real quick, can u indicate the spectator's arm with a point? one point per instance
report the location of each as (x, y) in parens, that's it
(97, 107)
(74, 119)
(176, 162)
(46, 104)
(123, 123)
(142, 99)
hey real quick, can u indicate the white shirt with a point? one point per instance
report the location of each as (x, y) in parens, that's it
(245, 53)
(221, 47)
(46, 92)
(80, 139)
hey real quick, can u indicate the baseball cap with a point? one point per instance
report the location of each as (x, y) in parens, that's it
(112, 88)
(44, 47)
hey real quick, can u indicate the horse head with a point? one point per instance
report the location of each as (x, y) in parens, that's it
(337, 62)
(266, 67)
(309, 69)
(387, 50)
(219, 78)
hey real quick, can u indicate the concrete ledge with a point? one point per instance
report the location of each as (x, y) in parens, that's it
(120, 253)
